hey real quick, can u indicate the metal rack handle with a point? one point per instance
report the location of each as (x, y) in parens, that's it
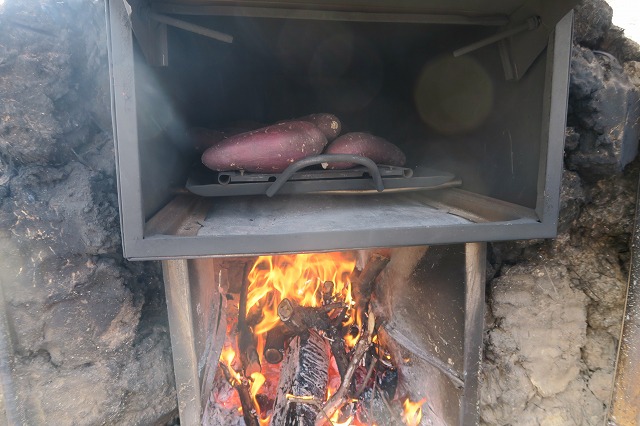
(327, 158)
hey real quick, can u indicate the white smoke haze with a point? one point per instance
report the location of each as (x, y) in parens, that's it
(626, 14)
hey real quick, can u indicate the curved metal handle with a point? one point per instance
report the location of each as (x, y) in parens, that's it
(327, 158)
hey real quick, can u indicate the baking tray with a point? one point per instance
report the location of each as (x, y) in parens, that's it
(299, 178)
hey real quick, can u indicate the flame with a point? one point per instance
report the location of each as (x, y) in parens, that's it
(350, 340)
(412, 412)
(296, 277)
(299, 278)
(334, 420)
(258, 380)
(227, 355)
(265, 421)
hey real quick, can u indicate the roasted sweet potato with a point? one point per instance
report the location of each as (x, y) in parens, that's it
(328, 124)
(269, 149)
(378, 149)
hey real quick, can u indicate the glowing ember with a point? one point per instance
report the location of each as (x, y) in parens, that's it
(412, 412)
(345, 423)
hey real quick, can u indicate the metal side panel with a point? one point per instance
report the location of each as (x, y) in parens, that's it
(526, 46)
(125, 131)
(554, 123)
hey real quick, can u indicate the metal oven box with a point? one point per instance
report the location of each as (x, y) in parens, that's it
(475, 89)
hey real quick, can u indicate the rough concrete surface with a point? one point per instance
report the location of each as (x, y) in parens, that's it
(592, 22)
(555, 307)
(604, 110)
(88, 329)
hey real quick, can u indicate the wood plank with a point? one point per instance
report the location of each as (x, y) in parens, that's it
(185, 360)
(181, 217)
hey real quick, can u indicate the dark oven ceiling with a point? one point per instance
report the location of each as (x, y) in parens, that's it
(462, 7)
(504, 14)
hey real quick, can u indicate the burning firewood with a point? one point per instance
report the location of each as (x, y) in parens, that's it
(249, 411)
(340, 398)
(327, 292)
(304, 375)
(246, 339)
(302, 340)
(301, 318)
(362, 287)
(275, 343)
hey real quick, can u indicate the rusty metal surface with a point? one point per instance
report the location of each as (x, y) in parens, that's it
(625, 403)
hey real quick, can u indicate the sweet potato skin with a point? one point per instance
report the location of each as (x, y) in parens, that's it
(328, 124)
(378, 149)
(270, 149)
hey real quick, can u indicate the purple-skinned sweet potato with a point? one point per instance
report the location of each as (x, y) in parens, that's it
(328, 124)
(377, 149)
(270, 149)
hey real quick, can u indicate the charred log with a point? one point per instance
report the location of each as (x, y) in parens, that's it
(362, 287)
(246, 340)
(339, 351)
(275, 343)
(249, 411)
(301, 318)
(340, 398)
(327, 292)
(304, 375)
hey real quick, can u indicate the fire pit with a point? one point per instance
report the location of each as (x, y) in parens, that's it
(402, 327)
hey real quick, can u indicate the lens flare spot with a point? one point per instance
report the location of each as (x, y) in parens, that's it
(454, 95)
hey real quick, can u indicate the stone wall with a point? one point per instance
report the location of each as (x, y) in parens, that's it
(88, 328)
(555, 307)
